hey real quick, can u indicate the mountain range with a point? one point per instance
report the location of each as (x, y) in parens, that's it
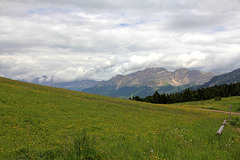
(156, 77)
(145, 82)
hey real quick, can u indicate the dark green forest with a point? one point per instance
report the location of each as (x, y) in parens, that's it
(215, 92)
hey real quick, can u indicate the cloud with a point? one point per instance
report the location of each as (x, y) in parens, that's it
(76, 39)
(192, 22)
(138, 62)
(197, 38)
(192, 60)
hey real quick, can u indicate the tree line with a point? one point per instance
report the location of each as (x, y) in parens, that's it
(215, 92)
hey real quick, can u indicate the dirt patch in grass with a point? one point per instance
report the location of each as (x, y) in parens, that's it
(235, 113)
(238, 129)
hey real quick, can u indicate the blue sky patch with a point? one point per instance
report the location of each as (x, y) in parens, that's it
(140, 22)
(123, 24)
(218, 29)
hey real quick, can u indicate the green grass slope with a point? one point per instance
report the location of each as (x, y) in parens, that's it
(223, 104)
(38, 122)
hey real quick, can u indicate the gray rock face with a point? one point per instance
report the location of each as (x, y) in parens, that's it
(156, 77)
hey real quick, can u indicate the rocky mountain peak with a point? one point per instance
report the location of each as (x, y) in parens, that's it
(155, 77)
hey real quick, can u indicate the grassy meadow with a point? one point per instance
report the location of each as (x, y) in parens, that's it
(38, 122)
(222, 105)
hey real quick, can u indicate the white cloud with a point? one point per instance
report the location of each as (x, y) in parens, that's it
(197, 38)
(138, 62)
(192, 60)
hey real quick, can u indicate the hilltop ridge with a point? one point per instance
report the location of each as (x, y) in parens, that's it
(227, 78)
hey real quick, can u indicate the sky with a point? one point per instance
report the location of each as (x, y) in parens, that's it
(71, 40)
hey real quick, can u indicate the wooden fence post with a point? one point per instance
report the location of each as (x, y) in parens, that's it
(230, 108)
(221, 128)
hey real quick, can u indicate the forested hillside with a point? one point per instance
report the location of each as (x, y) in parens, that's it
(224, 90)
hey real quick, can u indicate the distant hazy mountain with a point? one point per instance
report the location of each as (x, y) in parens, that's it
(75, 85)
(146, 82)
(227, 78)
